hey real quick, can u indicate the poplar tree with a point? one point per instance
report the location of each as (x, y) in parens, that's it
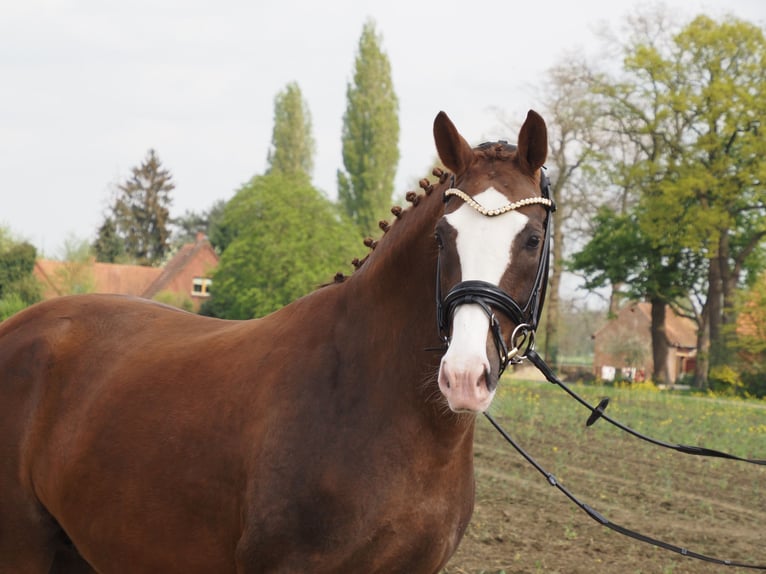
(370, 135)
(292, 144)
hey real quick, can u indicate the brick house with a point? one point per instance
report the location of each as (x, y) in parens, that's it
(623, 346)
(184, 281)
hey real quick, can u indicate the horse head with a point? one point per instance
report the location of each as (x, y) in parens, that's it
(493, 257)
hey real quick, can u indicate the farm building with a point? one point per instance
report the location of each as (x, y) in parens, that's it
(623, 346)
(184, 281)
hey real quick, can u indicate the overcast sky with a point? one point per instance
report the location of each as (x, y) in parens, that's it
(87, 87)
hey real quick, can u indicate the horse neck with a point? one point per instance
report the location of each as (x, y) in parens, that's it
(398, 280)
(392, 307)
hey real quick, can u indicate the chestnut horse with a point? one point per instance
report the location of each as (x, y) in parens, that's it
(325, 437)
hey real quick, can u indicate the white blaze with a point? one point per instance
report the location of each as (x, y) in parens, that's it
(484, 243)
(484, 250)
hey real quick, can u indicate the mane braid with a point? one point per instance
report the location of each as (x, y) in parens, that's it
(412, 197)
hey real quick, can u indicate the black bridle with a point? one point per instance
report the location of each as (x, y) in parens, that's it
(490, 298)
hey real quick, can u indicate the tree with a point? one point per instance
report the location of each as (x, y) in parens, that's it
(750, 338)
(108, 246)
(292, 144)
(720, 183)
(370, 136)
(708, 195)
(284, 240)
(140, 216)
(686, 109)
(18, 286)
(574, 145)
(76, 275)
(619, 253)
(208, 222)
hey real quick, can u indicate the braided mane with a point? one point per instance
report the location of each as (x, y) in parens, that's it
(414, 199)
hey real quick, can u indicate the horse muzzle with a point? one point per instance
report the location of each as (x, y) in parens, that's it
(467, 378)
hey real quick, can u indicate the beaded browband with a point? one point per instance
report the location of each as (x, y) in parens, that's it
(500, 210)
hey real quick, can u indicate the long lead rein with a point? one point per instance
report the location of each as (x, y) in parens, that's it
(601, 519)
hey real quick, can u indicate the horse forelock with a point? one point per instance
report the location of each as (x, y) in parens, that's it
(499, 150)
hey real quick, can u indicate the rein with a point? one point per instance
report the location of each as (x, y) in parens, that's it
(597, 413)
(604, 521)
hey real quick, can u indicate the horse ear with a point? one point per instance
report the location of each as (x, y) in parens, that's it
(456, 154)
(532, 148)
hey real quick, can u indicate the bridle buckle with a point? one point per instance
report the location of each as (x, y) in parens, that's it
(523, 341)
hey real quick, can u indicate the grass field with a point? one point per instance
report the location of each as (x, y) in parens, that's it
(711, 506)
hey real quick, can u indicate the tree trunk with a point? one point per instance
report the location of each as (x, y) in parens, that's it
(660, 372)
(551, 348)
(715, 312)
(702, 363)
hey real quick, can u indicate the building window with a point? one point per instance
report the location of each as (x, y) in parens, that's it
(201, 287)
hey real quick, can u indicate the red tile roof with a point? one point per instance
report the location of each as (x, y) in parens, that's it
(191, 260)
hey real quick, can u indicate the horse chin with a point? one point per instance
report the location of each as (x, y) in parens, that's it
(470, 406)
(467, 383)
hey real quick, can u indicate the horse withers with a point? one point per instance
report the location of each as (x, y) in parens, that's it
(325, 437)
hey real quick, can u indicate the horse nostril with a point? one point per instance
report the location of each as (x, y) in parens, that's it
(489, 380)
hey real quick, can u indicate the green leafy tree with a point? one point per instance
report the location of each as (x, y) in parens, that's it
(284, 240)
(693, 104)
(370, 136)
(140, 215)
(716, 197)
(18, 286)
(292, 144)
(619, 253)
(685, 108)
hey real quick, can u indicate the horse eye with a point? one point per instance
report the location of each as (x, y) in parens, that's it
(439, 241)
(533, 242)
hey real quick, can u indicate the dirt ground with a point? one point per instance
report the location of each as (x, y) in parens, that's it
(521, 524)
